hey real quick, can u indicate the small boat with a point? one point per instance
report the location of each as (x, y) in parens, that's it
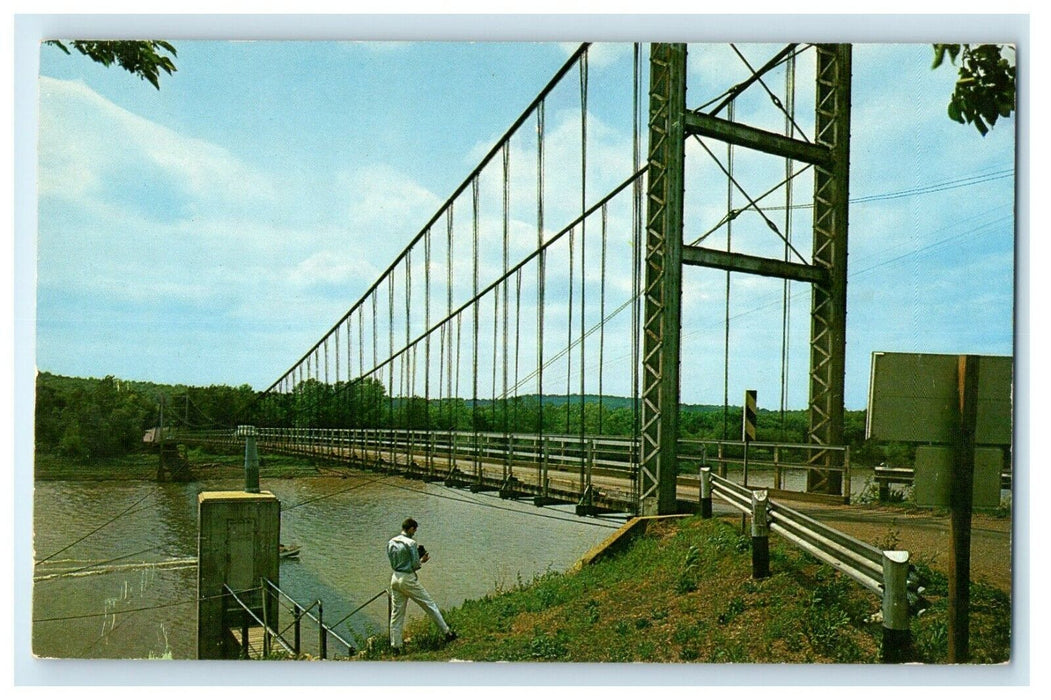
(288, 551)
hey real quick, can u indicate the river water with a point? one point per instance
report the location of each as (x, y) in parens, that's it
(126, 589)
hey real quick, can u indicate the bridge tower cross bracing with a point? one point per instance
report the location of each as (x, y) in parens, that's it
(669, 125)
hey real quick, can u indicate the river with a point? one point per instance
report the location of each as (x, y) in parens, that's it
(116, 574)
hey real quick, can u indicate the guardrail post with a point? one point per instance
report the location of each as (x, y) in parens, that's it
(706, 492)
(760, 535)
(896, 636)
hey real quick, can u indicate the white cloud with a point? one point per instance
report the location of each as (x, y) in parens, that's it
(329, 268)
(89, 146)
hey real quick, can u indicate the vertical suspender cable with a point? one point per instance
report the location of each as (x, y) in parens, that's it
(409, 361)
(448, 310)
(361, 421)
(790, 108)
(583, 239)
(349, 386)
(427, 327)
(729, 246)
(475, 308)
(326, 392)
(540, 275)
(569, 330)
(518, 336)
(378, 407)
(602, 319)
(459, 330)
(506, 222)
(496, 331)
(390, 350)
(636, 267)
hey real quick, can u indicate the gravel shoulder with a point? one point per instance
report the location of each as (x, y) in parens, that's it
(925, 535)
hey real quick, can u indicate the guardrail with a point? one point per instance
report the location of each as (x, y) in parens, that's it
(888, 574)
(885, 476)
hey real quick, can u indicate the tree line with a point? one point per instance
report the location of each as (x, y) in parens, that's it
(87, 419)
(366, 404)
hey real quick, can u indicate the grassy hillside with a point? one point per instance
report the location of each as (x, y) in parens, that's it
(684, 593)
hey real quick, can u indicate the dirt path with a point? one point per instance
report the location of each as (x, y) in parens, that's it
(925, 536)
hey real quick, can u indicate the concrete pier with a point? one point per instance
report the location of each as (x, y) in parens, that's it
(238, 536)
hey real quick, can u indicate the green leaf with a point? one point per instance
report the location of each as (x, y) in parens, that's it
(939, 55)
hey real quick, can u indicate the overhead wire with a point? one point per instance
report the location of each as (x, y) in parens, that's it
(127, 511)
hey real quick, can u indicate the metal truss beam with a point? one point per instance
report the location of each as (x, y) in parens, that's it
(829, 303)
(663, 280)
(757, 139)
(752, 264)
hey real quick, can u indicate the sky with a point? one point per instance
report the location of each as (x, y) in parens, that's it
(210, 232)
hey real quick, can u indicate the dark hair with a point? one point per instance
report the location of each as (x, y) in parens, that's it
(409, 523)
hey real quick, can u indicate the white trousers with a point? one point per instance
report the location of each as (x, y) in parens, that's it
(404, 587)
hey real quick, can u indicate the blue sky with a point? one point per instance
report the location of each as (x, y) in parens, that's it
(212, 231)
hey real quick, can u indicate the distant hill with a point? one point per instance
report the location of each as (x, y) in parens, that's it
(610, 402)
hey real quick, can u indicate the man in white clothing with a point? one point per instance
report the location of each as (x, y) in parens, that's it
(406, 557)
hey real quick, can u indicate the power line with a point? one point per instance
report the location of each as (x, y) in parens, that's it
(126, 511)
(914, 191)
(335, 493)
(86, 616)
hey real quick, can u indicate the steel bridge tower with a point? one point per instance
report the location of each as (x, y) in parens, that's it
(670, 124)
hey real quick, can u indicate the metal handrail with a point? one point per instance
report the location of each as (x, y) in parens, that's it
(358, 609)
(266, 628)
(305, 612)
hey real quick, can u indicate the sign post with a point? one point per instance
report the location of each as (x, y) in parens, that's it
(952, 404)
(961, 497)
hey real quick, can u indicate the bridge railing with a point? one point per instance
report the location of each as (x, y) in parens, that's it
(781, 460)
(440, 452)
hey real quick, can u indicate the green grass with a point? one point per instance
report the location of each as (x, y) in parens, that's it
(635, 607)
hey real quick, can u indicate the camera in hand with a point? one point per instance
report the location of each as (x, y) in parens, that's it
(422, 550)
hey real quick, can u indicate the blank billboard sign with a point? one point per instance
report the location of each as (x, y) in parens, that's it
(934, 473)
(913, 397)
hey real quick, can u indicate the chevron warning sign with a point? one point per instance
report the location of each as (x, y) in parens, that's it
(748, 425)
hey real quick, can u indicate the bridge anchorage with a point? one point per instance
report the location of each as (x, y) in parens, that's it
(514, 346)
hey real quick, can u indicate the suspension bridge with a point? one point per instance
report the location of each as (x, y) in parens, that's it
(529, 338)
